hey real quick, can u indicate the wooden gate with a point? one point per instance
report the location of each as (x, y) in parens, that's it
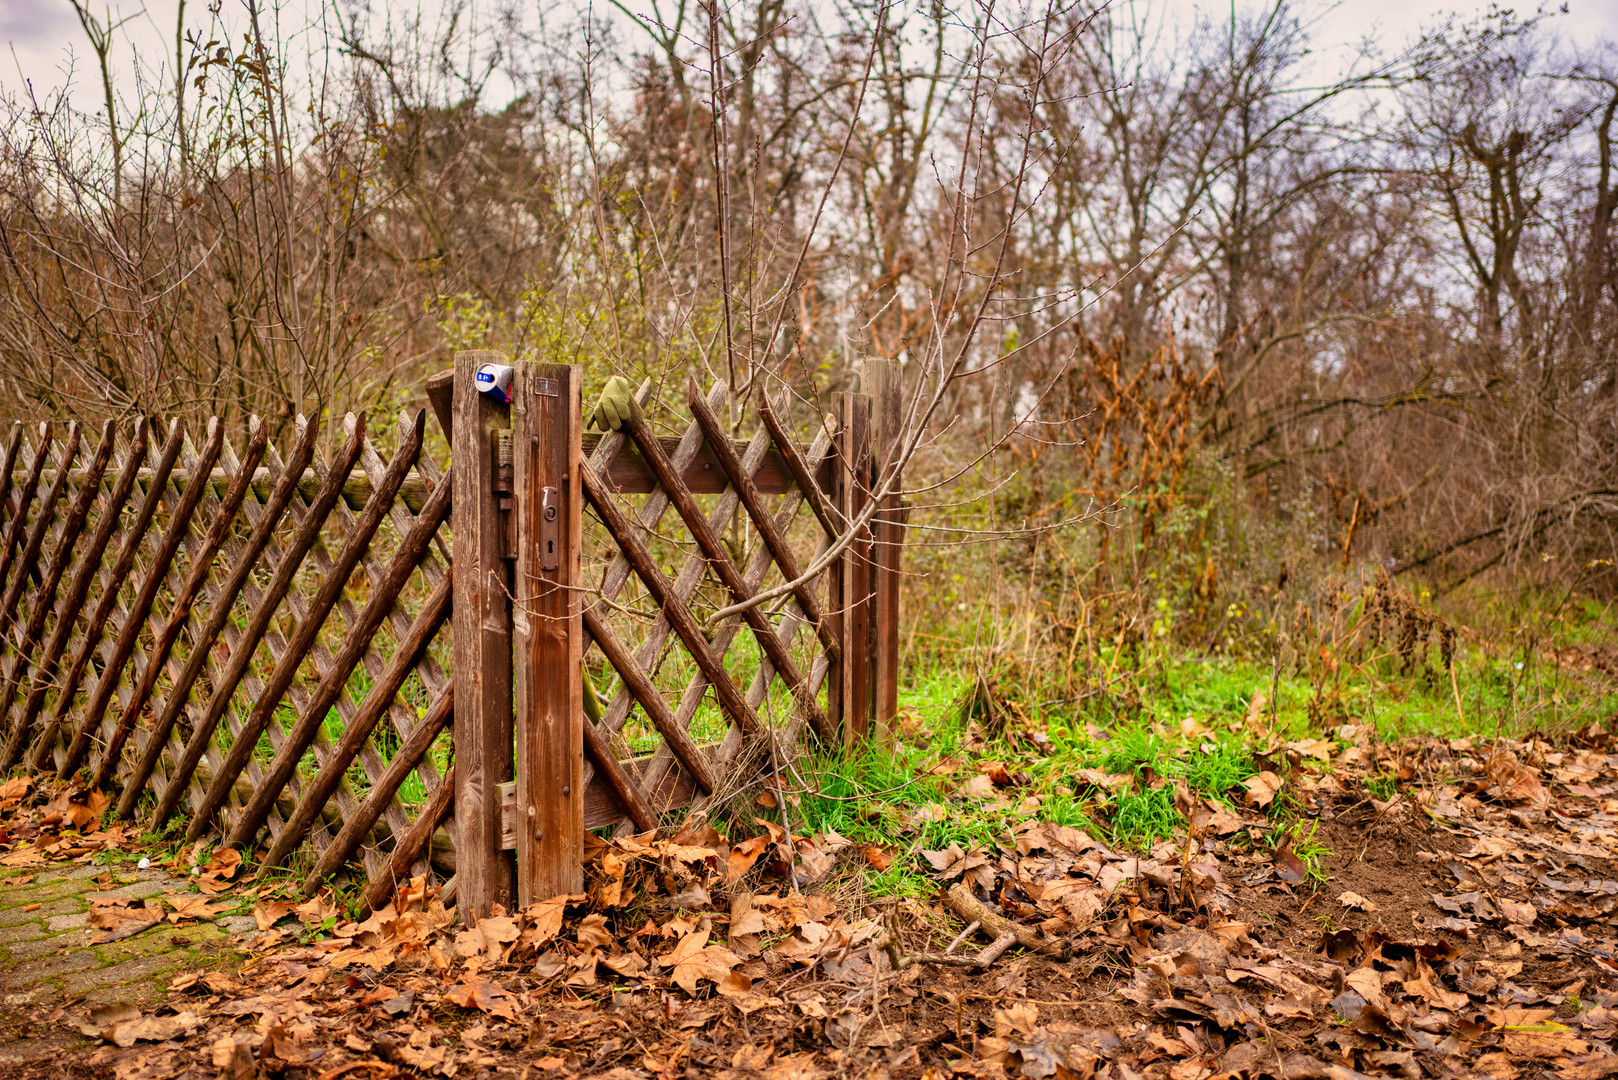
(563, 576)
(253, 647)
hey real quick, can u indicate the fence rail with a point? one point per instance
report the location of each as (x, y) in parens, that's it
(266, 656)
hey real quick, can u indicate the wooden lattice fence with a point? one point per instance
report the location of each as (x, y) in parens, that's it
(257, 647)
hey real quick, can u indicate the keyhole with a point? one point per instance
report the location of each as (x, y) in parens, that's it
(550, 547)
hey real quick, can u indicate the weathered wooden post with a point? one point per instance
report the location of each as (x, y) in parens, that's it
(850, 578)
(881, 380)
(547, 431)
(485, 873)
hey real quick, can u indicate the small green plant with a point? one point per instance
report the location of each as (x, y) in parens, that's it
(1303, 843)
(1382, 787)
(1145, 817)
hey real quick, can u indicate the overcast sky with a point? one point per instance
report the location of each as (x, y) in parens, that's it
(44, 40)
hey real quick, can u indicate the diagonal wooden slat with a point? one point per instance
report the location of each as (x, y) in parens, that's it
(221, 600)
(403, 720)
(673, 608)
(410, 846)
(630, 791)
(299, 645)
(658, 770)
(685, 585)
(763, 520)
(13, 445)
(45, 597)
(45, 748)
(384, 788)
(623, 661)
(25, 499)
(651, 510)
(84, 577)
(721, 561)
(263, 608)
(691, 572)
(172, 585)
(28, 561)
(371, 710)
(251, 687)
(828, 515)
(129, 633)
(202, 564)
(356, 640)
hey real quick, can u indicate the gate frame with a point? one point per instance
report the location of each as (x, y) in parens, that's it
(520, 731)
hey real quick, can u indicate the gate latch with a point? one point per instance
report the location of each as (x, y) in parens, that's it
(550, 514)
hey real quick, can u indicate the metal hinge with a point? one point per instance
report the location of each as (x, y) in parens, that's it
(504, 483)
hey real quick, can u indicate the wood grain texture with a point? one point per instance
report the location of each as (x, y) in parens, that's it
(135, 621)
(548, 631)
(482, 622)
(44, 749)
(881, 380)
(814, 485)
(849, 583)
(78, 592)
(263, 609)
(646, 695)
(662, 780)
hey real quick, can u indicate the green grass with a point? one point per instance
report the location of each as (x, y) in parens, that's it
(1191, 722)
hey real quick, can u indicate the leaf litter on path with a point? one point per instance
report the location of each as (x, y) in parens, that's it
(1466, 929)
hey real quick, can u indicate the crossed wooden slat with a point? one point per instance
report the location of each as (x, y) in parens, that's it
(672, 598)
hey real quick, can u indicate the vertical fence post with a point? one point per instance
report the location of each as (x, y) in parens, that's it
(881, 380)
(547, 419)
(482, 620)
(849, 589)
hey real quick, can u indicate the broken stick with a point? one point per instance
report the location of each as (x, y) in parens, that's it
(969, 908)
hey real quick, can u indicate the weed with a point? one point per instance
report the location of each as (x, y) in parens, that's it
(1147, 816)
(1383, 787)
(1304, 844)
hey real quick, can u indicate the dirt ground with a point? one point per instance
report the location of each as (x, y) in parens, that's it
(1464, 927)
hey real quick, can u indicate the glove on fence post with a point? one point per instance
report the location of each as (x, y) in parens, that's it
(616, 406)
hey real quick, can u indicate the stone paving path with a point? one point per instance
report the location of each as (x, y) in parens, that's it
(47, 960)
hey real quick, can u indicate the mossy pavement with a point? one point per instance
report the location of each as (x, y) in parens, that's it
(49, 963)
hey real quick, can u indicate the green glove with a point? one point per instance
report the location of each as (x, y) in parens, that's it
(616, 406)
